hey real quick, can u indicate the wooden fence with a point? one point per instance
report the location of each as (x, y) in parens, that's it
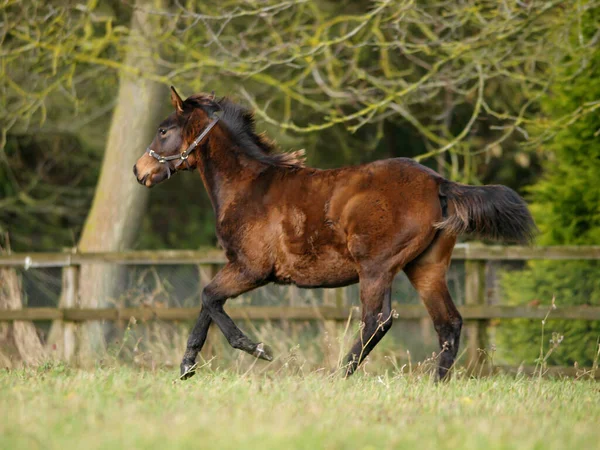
(475, 311)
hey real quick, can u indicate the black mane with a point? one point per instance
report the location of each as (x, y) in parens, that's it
(240, 123)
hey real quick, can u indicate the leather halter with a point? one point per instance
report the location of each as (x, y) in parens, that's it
(184, 155)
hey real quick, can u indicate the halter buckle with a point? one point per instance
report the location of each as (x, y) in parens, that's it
(184, 156)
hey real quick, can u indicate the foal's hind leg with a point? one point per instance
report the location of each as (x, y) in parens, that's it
(428, 275)
(230, 282)
(376, 298)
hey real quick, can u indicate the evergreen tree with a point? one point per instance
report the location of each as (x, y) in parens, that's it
(566, 205)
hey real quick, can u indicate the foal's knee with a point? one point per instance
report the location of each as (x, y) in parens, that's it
(449, 332)
(209, 300)
(457, 323)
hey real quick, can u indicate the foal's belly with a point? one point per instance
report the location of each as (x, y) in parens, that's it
(310, 248)
(327, 268)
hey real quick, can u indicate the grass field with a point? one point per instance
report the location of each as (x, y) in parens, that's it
(125, 407)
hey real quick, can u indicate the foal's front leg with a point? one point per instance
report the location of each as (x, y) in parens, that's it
(195, 343)
(230, 282)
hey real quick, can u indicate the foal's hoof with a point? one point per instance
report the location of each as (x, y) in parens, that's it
(187, 370)
(263, 351)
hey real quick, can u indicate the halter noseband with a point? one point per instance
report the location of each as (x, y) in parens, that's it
(184, 155)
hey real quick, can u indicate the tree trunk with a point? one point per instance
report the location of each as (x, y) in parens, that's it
(21, 338)
(119, 202)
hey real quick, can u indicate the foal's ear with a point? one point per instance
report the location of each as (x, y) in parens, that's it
(176, 101)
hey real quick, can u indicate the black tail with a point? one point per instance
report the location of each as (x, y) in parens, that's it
(489, 212)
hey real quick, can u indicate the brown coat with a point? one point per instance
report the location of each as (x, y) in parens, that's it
(281, 222)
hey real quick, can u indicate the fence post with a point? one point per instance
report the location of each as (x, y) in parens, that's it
(341, 299)
(476, 330)
(332, 297)
(293, 297)
(70, 280)
(68, 299)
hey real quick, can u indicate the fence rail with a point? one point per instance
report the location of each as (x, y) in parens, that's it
(403, 312)
(475, 311)
(475, 252)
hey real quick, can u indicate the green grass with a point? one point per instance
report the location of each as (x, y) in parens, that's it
(124, 407)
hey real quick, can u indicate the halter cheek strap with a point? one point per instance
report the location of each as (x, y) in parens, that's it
(184, 155)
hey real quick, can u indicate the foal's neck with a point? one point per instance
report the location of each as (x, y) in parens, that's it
(226, 171)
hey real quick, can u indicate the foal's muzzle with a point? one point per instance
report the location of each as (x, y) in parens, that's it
(142, 180)
(151, 176)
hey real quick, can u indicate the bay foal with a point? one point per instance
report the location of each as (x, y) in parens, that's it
(281, 222)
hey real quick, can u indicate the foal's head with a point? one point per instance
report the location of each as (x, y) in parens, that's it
(170, 150)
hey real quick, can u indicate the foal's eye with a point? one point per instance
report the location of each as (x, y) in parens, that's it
(162, 131)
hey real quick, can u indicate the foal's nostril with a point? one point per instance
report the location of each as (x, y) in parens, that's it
(135, 170)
